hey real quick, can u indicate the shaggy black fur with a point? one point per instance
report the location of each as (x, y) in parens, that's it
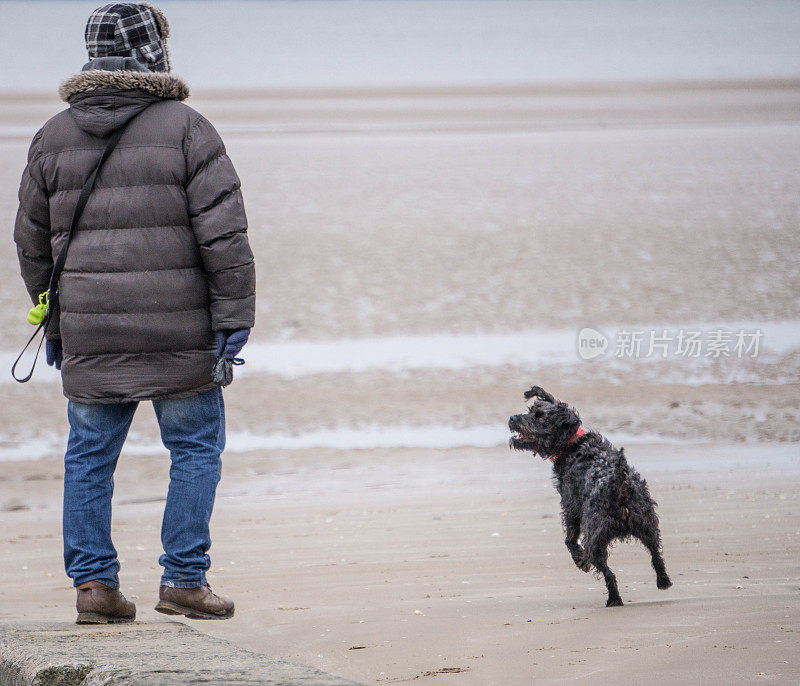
(602, 497)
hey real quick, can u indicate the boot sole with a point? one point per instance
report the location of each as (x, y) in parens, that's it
(97, 618)
(168, 608)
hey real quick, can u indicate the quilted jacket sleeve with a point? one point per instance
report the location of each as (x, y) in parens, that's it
(216, 210)
(32, 229)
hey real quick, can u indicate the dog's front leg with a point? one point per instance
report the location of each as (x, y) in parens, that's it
(572, 525)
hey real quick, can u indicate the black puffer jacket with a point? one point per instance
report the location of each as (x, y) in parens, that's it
(160, 258)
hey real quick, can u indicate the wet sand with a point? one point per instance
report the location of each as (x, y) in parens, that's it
(609, 209)
(477, 211)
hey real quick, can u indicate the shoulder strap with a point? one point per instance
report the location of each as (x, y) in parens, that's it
(58, 265)
(83, 198)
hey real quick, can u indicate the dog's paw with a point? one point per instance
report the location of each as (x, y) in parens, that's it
(663, 583)
(614, 602)
(580, 560)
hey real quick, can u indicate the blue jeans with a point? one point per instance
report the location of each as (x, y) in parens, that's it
(193, 429)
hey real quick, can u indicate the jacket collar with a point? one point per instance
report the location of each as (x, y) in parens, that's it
(123, 73)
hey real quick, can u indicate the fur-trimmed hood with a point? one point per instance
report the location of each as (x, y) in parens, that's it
(164, 85)
(111, 90)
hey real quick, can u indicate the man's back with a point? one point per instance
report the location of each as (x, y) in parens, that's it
(159, 259)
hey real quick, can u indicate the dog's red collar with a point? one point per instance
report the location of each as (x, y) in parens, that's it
(579, 432)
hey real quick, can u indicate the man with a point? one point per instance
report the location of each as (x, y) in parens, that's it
(159, 281)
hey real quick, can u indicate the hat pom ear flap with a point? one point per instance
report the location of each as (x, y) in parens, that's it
(163, 29)
(161, 20)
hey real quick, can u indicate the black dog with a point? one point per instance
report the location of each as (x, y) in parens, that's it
(602, 497)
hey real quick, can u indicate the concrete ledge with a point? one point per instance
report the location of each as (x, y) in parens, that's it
(139, 654)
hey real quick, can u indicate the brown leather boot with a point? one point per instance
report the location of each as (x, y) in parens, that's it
(101, 604)
(194, 603)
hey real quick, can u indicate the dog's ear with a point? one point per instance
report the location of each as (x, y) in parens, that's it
(539, 392)
(568, 419)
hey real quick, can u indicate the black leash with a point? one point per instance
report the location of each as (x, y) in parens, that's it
(36, 357)
(58, 267)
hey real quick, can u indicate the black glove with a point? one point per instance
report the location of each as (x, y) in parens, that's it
(54, 352)
(231, 342)
(229, 345)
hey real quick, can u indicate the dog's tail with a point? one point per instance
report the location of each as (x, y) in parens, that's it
(619, 469)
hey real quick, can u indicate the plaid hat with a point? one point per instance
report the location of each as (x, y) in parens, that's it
(129, 29)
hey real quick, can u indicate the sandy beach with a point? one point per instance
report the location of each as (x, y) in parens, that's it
(397, 565)
(425, 255)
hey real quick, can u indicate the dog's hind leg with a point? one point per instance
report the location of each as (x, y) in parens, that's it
(597, 553)
(651, 542)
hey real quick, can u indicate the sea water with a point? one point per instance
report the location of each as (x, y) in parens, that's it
(286, 44)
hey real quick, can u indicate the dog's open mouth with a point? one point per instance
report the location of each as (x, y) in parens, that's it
(519, 441)
(522, 435)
